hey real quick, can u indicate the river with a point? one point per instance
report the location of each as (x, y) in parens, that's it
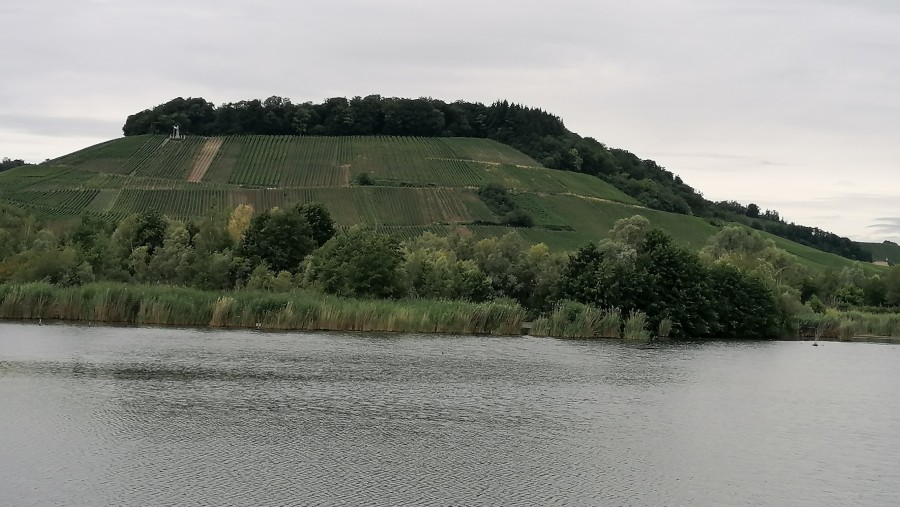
(93, 416)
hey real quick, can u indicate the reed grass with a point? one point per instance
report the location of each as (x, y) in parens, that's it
(636, 326)
(575, 320)
(835, 325)
(665, 327)
(299, 310)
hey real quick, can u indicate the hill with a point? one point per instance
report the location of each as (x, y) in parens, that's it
(886, 251)
(414, 185)
(536, 133)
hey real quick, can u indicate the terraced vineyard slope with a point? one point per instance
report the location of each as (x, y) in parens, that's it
(414, 185)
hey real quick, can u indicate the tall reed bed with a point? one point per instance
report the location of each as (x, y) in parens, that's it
(107, 302)
(835, 325)
(575, 320)
(155, 305)
(636, 326)
(302, 310)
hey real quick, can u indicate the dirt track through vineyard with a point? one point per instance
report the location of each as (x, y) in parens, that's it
(204, 159)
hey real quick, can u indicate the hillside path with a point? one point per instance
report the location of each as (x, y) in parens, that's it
(204, 159)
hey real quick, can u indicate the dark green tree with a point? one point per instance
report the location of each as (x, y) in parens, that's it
(149, 231)
(752, 210)
(874, 291)
(744, 305)
(677, 287)
(666, 281)
(8, 163)
(279, 239)
(498, 199)
(892, 287)
(17, 230)
(358, 263)
(605, 276)
(320, 222)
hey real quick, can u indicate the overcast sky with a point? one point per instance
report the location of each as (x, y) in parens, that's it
(790, 104)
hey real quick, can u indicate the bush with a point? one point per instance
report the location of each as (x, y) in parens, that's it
(359, 263)
(363, 180)
(498, 200)
(518, 218)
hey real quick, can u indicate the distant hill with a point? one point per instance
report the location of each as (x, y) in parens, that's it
(535, 132)
(415, 184)
(883, 251)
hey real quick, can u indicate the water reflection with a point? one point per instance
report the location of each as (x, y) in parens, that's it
(175, 417)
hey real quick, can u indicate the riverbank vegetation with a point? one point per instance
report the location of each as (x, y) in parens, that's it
(295, 310)
(292, 269)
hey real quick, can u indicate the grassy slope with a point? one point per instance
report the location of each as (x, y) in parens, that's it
(422, 184)
(817, 258)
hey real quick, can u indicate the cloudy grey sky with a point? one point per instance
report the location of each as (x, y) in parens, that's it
(791, 104)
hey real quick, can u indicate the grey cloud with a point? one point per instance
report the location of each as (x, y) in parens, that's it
(56, 126)
(739, 160)
(803, 91)
(849, 199)
(887, 226)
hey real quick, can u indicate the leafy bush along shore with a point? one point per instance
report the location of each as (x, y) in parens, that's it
(291, 269)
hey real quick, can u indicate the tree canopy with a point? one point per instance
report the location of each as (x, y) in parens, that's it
(7, 163)
(646, 271)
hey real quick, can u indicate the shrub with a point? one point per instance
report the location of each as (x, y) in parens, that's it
(363, 180)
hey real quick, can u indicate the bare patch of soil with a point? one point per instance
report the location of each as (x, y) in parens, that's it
(204, 159)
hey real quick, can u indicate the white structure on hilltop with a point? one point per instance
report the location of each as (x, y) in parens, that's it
(176, 133)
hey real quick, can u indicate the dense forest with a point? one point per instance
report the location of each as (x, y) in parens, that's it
(535, 132)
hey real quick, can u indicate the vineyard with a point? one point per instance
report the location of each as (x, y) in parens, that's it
(41, 178)
(415, 185)
(65, 199)
(421, 184)
(172, 159)
(348, 206)
(309, 162)
(111, 156)
(595, 218)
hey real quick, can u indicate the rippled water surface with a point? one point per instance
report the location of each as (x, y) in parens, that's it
(114, 416)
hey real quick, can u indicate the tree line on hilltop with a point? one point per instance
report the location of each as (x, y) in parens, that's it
(8, 163)
(537, 133)
(771, 222)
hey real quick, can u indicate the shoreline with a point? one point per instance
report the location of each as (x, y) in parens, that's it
(261, 329)
(300, 310)
(887, 340)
